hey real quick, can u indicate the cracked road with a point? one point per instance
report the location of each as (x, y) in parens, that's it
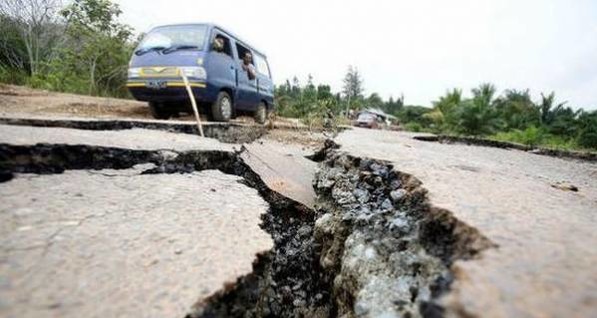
(147, 245)
(544, 265)
(121, 243)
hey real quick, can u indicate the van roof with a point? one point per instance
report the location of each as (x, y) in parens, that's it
(212, 26)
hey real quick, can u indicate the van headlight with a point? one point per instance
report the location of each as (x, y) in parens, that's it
(134, 72)
(196, 72)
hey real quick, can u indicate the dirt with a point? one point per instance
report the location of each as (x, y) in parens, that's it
(308, 140)
(22, 103)
(24, 100)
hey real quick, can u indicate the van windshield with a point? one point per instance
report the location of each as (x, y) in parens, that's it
(173, 37)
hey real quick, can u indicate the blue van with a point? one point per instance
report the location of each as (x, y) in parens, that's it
(227, 76)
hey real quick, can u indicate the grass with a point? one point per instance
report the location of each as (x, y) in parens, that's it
(535, 137)
(532, 136)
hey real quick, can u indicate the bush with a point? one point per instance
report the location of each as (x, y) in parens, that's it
(532, 136)
(414, 127)
(12, 76)
(588, 138)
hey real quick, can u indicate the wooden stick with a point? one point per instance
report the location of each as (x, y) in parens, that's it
(192, 97)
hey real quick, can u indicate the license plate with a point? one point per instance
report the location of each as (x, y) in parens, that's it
(156, 84)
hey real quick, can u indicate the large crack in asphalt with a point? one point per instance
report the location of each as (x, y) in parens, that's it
(224, 132)
(390, 250)
(373, 247)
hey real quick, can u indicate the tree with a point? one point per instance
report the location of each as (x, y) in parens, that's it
(470, 118)
(353, 87)
(13, 53)
(310, 92)
(353, 83)
(548, 112)
(99, 45)
(324, 92)
(414, 114)
(484, 94)
(37, 26)
(374, 100)
(443, 109)
(476, 116)
(517, 110)
(295, 88)
(588, 129)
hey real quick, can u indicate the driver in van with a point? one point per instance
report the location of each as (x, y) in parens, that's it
(248, 66)
(218, 44)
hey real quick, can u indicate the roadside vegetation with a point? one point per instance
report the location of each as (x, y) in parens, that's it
(78, 48)
(512, 116)
(83, 48)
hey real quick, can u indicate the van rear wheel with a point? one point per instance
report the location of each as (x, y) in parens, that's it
(221, 109)
(261, 113)
(159, 110)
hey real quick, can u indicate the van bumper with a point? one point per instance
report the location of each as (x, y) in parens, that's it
(167, 91)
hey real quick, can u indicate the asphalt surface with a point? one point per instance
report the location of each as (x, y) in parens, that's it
(118, 243)
(544, 265)
(284, 169)
(136, 139)
(114, 243)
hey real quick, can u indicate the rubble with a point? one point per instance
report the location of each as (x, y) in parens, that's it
(358, 254)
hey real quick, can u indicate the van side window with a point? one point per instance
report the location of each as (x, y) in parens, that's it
(241, 50)
(227, 49)
(261, 65)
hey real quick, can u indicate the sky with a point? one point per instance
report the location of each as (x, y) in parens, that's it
(416, 48)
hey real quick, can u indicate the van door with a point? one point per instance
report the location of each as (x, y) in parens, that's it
(265, 85)
(221, 66)
(247, 97)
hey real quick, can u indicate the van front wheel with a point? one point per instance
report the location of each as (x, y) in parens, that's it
(261, 114)
(221, 109)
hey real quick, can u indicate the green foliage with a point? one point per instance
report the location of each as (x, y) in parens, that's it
(517, 110)
(413, 126)
(308, 102)
(13, 52)
(393, 106)
(90, 57)
(353, 83)
(511, 117)
(414, 114)
(531, 136)
(443, 109)
(474, 116)
(534, 136)
(15, 76)
(587, 136)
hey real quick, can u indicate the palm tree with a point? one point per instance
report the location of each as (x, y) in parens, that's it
(517, 109)
(443, 108)
(548, 112)
(484, 94)
(476, 116)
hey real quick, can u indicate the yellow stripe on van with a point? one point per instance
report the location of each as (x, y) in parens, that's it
(135, 84)
(181, 84)
(168, 84)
